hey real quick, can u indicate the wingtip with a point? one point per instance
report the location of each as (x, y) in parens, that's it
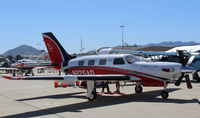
(6, 77)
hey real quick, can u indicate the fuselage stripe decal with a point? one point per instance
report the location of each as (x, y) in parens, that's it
(124, 71)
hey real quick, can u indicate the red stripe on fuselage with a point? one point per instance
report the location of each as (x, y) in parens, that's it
(98, 70)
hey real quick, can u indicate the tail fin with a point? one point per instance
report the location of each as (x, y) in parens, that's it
(59, 57)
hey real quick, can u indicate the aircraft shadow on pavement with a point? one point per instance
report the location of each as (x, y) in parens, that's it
(150, 96)
(57, 96)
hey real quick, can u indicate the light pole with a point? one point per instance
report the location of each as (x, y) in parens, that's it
(122, 27)
(82, 45)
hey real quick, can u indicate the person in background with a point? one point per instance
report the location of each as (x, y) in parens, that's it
(104, 85)
(117, 87)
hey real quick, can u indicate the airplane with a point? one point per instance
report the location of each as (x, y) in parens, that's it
(110, 67)
(192, 49)
(27, 65)
(5, 65)
(4, 62)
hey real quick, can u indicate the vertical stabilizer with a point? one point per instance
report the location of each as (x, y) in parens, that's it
(59, 57)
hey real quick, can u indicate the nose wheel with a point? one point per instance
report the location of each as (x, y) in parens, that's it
(138, 89)
(164, 94)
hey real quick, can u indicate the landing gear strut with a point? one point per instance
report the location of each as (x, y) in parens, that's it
(91, 91)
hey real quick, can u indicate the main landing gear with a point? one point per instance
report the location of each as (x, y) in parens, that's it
(138, 89)
(93, 95)
(164, 94)
(91, 91)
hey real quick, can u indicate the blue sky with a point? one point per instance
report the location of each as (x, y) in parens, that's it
(98, 22)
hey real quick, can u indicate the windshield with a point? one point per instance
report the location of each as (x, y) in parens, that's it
(131, 59)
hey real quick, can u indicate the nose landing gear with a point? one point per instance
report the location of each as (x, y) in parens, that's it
(165, 94)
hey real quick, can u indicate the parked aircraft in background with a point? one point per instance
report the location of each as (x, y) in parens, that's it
(26, 65)
(193, 49)
(110, 67)
(4, 62)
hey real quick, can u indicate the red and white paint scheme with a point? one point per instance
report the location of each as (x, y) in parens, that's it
(111, 67)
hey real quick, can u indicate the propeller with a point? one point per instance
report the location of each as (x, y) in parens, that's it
(185, 69)
(187, 80)
(182, 57)
(178, 82)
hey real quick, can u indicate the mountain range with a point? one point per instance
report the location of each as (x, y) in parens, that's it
(173, 43)
(22, 50)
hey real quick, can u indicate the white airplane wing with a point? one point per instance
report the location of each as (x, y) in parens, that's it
(4, 68)
(143, 52)
(74, 78)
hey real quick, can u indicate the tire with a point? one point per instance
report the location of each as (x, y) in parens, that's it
(138, 89)
(164, 94)
(93, 96)
(196, 76)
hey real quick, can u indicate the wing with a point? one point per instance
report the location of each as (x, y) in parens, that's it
(74, 78)
(143, 52)
(4, 68)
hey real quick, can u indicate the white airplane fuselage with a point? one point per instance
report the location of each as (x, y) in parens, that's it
(149, 73)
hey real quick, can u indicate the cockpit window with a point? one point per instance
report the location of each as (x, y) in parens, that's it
(131, 59)
(195, 63)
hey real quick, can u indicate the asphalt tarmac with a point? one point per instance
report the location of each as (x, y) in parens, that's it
(22, 98)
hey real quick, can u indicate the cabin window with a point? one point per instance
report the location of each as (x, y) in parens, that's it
(91, 62)
(118, 61)
(81, 63)
(102, 62)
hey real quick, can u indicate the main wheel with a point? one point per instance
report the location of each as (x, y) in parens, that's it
(138, 89)
(164, 94)
(93, 96)
(196, 76)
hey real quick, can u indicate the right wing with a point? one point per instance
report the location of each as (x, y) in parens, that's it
(143, 52)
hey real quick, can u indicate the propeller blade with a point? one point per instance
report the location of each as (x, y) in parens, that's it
(189, 85)
(182, 57)
(178, 82)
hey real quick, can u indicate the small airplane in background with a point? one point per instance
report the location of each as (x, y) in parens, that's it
(26, 65)
(5, 65)
(193, 49)
(110, 67)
